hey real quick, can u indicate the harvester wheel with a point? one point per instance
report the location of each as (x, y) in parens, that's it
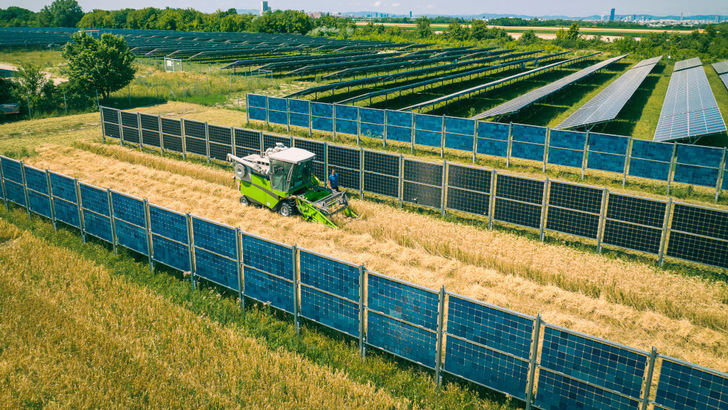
(244, 201)
(286, 209)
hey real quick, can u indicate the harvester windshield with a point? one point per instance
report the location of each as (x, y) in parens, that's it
(279, 172)
(287, 177)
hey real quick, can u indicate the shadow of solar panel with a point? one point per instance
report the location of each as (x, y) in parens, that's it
(94, 199)
(219, 151)
(608, 144)
(170, 253)
(98, 226)
(194, 128)
(110, 115)
(267, 256)
(129, 119)
(701, 221)
(270, 141)
(171, 127)
(214, 237)
(15, 193)
(112, 130)
(636, 210)
(247, 139)
(131, 236)
(423, 172)
(697, 155)
(62, 186)
(371, 130)
(172, 143)
(459, 142)
(428, 138)
(196, 146)
(168, 224)
(425, 122)
(649, 169)
(220, 135)
(66, 212)
(468, 201)
(335, 277)
(347, 112)
(573, 222)
(475, 179)
(401, 339)
(130, 134)
(278, 117)
(149, 122)
(371, 116)
(381, 184)
(322, 124)
(527, 151)
(322, 110)
(256, 100)
(259, 114)
(399, 134)
(517, 213)
(685, 387)
(559, 392)
(330, 311)
(217, 269)
(40, 204)
(404, 302)
(577, 197)
(128, 209)
(656, 151)
(602, 364)
(698, 249)
(399, 119)
(36, 180)
(630, 236)
(486, 367)
(150, 138)
(606, 162)
(299, 106)
(567, 158)
(528, 133)
(695, 175)
(269, 289)
(299, 120)
(459, 126)
(277, 104)
(490, 327)
(519, 189)
(343, 157)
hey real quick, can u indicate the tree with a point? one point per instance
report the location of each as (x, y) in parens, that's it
(423, 27)
(34, 86)
(457, 32)
(478, 30)
(61, 13)
(103, 65)
(528, 37)
(573, 33)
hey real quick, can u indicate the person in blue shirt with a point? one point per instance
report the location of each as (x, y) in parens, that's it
(334, 180)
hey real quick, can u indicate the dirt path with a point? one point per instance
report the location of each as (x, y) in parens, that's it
(51, 77)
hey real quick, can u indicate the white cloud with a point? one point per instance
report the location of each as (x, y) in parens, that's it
(377, 3)
(430, 6)
(395, 4)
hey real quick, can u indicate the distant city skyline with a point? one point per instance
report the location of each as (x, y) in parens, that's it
(571, 8)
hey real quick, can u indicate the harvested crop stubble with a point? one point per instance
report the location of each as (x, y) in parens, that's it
(74, 336)
(631, 303)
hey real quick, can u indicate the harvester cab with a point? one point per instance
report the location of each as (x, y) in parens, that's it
(281, 180)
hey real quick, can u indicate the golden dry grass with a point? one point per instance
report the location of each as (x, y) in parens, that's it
(628, 302)
(73, 336)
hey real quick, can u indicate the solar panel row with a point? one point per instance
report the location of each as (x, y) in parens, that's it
(721, 67)
(535, 95)
(608, 103)
(685, 64)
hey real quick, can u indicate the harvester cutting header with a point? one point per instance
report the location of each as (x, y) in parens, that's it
(281, 180)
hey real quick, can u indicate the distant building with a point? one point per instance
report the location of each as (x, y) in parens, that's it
(410, 14)
(264, 7)
(611, 16)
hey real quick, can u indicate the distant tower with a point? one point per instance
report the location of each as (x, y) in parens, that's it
(264, 7)
(410, 14)
(611, 16)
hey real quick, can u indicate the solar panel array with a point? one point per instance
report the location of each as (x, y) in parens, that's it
(722, 69)
(535, 95)
(608, 103)
(690, 109)
(685, 64)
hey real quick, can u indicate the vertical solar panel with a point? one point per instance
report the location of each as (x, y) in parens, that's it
(574, 209)
(12, 172)
(381, 173)
(634, 223)
(110, 126)
(130, 222)
(170, 241)
(299, 113)
(195, 137)
(493, 139)
(685, 386)
(319, 148)
(699, 234)
(529, 142)
(468, 189)
(566, 148)
(65, 204)
(399, 126)
(371, 122)
(172, 134)
(650, 160)
(428, 130)
(697, 165)
(36, 183)
(607, 152)
(346, 161)
(459, 133)
(347, 119)
(322, 117)
(422, 183)
(559, 392)
(278, 110)
(268, 272)
(518, 200)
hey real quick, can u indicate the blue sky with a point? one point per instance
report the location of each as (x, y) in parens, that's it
(573, 8)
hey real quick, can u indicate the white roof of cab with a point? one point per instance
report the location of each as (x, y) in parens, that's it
(292, 155)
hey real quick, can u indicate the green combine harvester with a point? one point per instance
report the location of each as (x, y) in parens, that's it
(281, 180)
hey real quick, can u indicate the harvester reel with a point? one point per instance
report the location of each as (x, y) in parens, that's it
(242, 172)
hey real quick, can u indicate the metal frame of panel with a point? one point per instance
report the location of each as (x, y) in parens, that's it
(196, 247)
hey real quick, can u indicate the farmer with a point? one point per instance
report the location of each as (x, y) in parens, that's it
(334, 180)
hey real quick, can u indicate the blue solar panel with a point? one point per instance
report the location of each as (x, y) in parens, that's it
(257, 100)
(36, 180)
(300, 120)
(725, 180)
(598, 363)
(171, 253)
(697, 155)
(322, 124)
(268, 289)
(655, 151)
(347, 127)
(128, 209)
(490, 327)
(277, 104)
(12, 170)
(428, 138)
(649, 169)
(486, 367)
(268, 256)
(335, 277)
(259, 114)
(558, 392)
(347, 112)
(66, 212)
(402, 301)
(214, 238)
(372, 130)
(428, 123)
(567, 139)
(40, 204)
(299, 106)
(402, 339)
(527, 151)
(493, 130)
(278, 117)
(94, 199)
(399, 118)
(15, 193)
(567, 158)
(98, 226)
(399, 134)
(492, 147)
(330, 311)
(459, 126)
(608, 144)
(322, 110)
(214, 268)
(371, 116)
(606, 162)
(168, 224)
(527, 133)
(685, 387)
(696, 175)
(459, 142)
(132, 237)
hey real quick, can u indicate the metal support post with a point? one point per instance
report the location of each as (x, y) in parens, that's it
(400, 182)
(664, 238)
(442, 138)
(546, 149)
(184, 140)
(361, 173)
(5, 194)
(80, 210)
(671, 172)
(544, 207)
(148, 227)
(239, 267)
(362, 310)
(384, 135)
(114, 240)
(121, 127)
(25, 188)
(627, 159)
(475, 140)
(101, 114)
(296, 286)
(533, 362)
(139, 127)
(442, 187)
(288, 116)
(510, 144)
(721, 175)
(358, 125)
(207, 142)
(191, 245)
(161, 135)
(602, 215)
(51, 201)
(491, 199)
(440, 337)
(648, 379)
